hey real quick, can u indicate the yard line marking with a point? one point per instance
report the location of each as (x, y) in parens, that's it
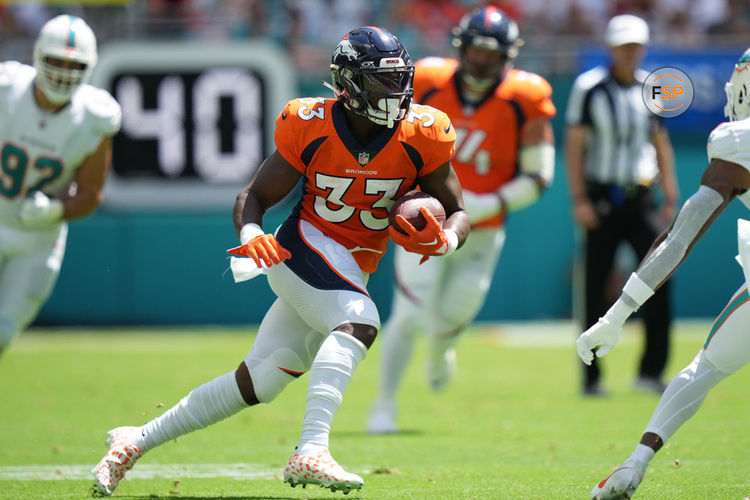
(147, 471)
(143, 471)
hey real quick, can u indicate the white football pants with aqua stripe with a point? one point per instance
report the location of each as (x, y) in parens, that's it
(726, 350)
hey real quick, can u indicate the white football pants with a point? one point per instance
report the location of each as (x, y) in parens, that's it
(319, 289)
(725, 351)
(441, 297)
(30, 262)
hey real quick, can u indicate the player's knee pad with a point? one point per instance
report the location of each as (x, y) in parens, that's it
(705, 363)
(452, 319)
(273, 373)
(459, 308)
(704, 370)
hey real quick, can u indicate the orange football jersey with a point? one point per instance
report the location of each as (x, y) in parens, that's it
(350, 187)
(488, 135)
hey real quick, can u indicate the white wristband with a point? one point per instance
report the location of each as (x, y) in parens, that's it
(452, 238)
(637, 289)
(250, 231)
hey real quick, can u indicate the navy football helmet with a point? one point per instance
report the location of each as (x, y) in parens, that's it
(372, 75)
(491, 29)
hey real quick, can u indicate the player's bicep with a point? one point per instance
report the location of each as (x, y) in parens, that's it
(273, 180)
(537, 131)
(727, 178)
(92, 173)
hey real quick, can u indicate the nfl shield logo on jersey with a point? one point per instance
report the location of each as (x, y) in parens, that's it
(363, 158)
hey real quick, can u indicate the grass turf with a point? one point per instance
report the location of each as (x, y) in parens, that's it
(512, 425)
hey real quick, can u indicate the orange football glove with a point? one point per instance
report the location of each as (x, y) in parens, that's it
(263, 248)
(429, 241)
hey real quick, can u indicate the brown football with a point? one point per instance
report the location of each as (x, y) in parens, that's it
(408, 207)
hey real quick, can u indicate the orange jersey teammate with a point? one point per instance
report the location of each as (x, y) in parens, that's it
(488, 135)
(504, 159)
(355, 154)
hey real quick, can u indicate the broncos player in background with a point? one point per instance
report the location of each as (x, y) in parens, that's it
(356, 154)
(55, 153)
(504, 159)
(727, 347)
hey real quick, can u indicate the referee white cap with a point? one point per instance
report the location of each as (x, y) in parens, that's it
(626, 29)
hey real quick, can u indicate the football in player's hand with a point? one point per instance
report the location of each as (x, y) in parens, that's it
(408, 207)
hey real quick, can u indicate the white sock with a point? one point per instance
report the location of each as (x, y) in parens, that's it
(210, 403)
(396, 351)
(330, 375)
(683, 396)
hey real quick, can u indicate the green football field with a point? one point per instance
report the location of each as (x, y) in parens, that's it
(512, 425)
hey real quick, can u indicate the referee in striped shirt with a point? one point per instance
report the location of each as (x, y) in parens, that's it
(615, 151)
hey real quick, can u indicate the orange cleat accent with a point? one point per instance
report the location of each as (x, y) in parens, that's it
(120, 458)
(320, 469)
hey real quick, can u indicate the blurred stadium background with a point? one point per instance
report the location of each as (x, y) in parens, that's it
(201, 83)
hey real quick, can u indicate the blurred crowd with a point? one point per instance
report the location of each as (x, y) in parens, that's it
(308, 29)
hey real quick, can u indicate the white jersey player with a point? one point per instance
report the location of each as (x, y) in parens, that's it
(55, 151)
(728, 345)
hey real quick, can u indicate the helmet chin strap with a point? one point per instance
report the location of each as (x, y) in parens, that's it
(333, 89)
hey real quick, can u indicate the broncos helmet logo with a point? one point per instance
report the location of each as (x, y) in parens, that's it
(346, 49)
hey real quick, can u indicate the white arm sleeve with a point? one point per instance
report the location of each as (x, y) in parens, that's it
(694, 214)
(481, 207)
(537, 163)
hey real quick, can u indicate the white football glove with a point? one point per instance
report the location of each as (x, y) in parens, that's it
(603, 336)
(38, 210)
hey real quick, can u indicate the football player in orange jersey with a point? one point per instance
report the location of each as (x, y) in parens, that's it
(504, 159)
(355, 154)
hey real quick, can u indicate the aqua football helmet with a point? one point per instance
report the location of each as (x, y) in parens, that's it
(737, 89)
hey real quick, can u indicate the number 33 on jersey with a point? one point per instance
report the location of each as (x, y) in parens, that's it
(349, 187)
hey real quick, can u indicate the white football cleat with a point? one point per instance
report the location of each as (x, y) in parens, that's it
(320, 469)
(441, 366)
(622, 483)
(120, 458)
(382, 418)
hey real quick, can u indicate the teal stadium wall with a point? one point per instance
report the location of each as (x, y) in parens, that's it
(126, 268)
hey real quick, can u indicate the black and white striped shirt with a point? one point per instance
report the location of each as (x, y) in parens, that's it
(619, 150)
